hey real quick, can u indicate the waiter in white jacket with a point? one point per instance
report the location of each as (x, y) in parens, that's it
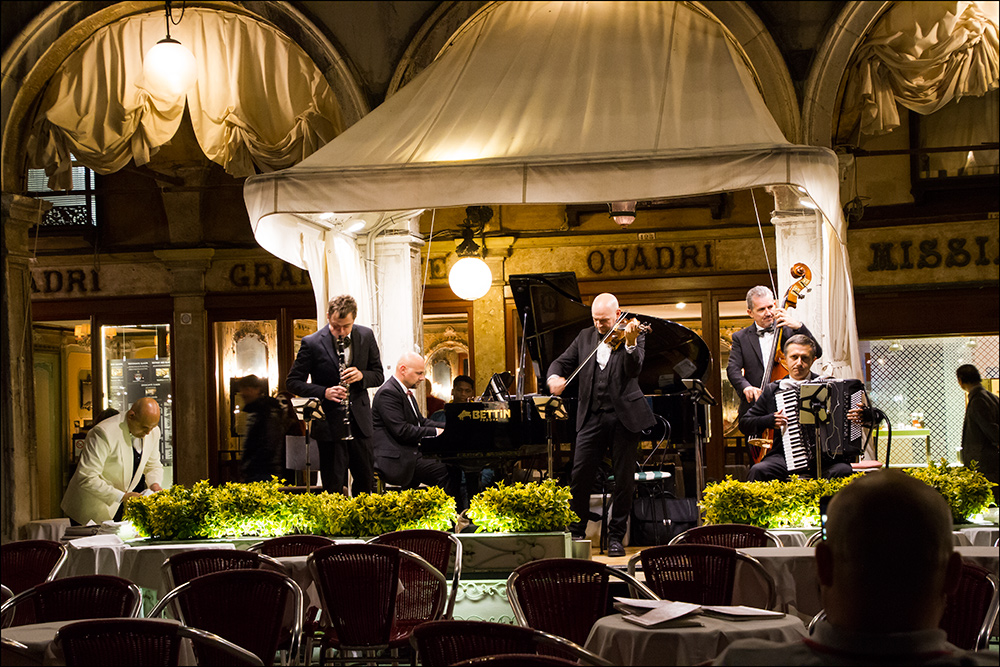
(121, 458)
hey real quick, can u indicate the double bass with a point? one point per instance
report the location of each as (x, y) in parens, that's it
(776, 367)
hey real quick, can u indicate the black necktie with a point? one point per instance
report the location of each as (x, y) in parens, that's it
(413, 403)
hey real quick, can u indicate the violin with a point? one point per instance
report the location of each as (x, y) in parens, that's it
(616, 336)
(777, 366)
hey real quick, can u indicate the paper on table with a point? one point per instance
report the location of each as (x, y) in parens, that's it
(97, 541)
(739, 612)
(664, 612)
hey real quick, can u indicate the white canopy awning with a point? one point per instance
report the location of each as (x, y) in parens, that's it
(557, 103)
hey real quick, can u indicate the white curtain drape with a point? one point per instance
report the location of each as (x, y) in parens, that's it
(921, 55)
(258, 101)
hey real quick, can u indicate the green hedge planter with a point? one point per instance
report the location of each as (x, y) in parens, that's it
(262, 509)
(795, 504)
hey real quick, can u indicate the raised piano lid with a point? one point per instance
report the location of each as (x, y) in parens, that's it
(556, 314)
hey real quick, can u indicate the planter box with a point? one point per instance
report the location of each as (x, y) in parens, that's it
(502, 552)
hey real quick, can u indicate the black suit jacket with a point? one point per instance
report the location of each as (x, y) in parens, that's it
(630, 404)
(398, 431)
(317, 358)
(746, 364)
(980, 433)
(760, 416)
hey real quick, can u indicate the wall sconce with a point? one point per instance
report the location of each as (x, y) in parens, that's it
(169, 68)
(622, 212)
(470, 278)
(82, 334)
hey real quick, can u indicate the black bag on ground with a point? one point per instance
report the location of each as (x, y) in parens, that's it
(658, 517)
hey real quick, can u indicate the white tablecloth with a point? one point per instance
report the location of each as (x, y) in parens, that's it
(978, 536)
(38, 638)
(623, 643)
(46, 529)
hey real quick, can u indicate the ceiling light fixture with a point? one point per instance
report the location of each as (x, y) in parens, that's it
(470, 278)
(169, 68)
(622, 212)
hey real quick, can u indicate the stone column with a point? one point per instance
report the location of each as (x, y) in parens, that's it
(19, 447)
(398, 287)
(191, 353)
(798, 238)
(489, 316)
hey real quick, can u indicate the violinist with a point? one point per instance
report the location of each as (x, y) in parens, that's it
(753, 345)
(611, 412)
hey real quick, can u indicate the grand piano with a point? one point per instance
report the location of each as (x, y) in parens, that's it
(513, 427)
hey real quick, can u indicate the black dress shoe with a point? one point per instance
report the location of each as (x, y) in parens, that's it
(615, 548)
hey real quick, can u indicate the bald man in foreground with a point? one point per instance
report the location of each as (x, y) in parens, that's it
(398, 428)
(611, 412)
(885, 571)
(120, 459)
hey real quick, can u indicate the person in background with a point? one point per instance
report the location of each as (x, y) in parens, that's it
(612, 412)
(264, 444)
(885, 571)
(316, 374)
(752, 344)
(981, 428)
(399, 427)
(120, 460)
(466, 482)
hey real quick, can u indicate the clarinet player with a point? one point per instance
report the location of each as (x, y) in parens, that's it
(337, 364)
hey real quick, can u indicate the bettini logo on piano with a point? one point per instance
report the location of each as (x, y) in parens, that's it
(500, 415)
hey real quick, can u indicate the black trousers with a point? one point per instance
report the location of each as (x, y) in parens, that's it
(773, 468)
(601, 431)
(337, 456)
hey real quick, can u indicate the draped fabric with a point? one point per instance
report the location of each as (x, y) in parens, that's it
(258, 101)
(921, 55)
(561, 103)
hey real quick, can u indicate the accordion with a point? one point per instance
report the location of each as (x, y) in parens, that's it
(824, 403)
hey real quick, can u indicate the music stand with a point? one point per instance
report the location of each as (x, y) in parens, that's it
(814, 410)
(309, 410)
(699, 395)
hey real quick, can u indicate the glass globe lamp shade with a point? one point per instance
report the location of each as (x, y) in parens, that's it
(169, 69)
(470, 278)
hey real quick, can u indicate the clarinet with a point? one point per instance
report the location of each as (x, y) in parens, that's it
(339, 342)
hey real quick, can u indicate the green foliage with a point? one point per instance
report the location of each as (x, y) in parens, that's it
(967, 490)
(795, 503)
(263, 509)
(522, 508)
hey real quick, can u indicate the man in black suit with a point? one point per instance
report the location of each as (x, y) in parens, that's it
(980, 433)
(611, 410)
(752, 345)
(316, 373)
(399, 426)
(800, 351)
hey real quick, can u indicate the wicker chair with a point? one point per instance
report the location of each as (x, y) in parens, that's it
(25, 564)
(186, 565)
(437, 548)
(734, 535)
(451, 642)
(139, 641)
(972, 609)
(358, 585)
(75, 598)
(291, 545)
(564, 596)
(244, 606)
(698, 573)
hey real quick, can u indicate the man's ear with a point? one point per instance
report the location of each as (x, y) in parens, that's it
(824, 564)
(953, 573)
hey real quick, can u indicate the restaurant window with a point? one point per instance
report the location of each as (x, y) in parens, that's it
(732, 317)
(912, 380)
(71, 209)
(135, 360)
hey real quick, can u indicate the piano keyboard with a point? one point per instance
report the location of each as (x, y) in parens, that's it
(796, 449)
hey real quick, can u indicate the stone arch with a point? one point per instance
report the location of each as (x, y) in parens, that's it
(824, 87)
(36, 53)
(744, 25)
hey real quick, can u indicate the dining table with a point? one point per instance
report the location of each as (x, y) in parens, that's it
(624, 643)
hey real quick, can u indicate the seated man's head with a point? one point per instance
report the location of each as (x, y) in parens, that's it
(462, 389)
(888, 563)
(410, 369)
(800, 352)
(142, 417)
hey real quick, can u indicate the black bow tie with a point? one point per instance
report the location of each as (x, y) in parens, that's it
(766, 330)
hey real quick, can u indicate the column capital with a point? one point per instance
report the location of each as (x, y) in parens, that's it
(20, 213)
